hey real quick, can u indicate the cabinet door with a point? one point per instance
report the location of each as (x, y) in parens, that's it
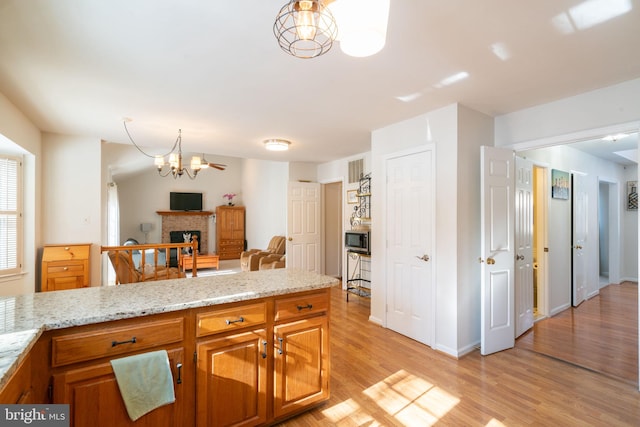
(301, 364)
(232, 380)
(95, 399)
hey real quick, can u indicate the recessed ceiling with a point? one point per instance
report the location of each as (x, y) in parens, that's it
(215, 70)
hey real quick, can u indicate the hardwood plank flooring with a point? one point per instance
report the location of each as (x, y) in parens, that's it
(381, 378)
(600, 334)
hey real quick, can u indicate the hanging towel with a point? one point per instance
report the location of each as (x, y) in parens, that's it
(145, 382)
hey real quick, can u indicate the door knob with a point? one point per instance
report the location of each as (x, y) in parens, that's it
(491, 261)
(290, 239)
(578, 247)
(423, 257)
(519, 257)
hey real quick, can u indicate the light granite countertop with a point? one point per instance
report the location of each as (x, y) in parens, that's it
(23, 318)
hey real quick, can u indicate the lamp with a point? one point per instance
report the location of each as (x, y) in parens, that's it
(362, 25)
(305, 28)
(277, 144)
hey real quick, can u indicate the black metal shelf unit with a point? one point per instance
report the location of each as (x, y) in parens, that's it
(359, 282)
(359, 274)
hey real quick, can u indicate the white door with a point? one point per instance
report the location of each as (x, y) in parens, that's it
(497, 330)
(303, 226)
(524, 245)
(579, 209)
(409, 234)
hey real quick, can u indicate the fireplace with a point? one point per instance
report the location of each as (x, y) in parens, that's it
(178, 221)
(178, 237)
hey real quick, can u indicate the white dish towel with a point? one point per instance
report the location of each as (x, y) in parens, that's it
(145, 382)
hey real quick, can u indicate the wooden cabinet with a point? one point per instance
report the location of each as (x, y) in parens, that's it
(95, 400)
(302, 363)
(65, 266)
(82, 375)
(232, 380)
(261, 362)
(18, 389)
(247, 363)
(230, 231)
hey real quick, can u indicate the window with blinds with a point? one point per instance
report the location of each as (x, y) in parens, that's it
(10, 215)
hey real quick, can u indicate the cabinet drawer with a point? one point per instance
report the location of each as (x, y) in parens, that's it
(230, 319)
(71, 268)
(56, 253)
(112, 341)
(303, 305)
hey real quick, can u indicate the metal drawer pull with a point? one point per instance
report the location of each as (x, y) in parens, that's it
(240, 320)
(264, 353)
(131, 341)
(280, 349)
(179, 380)
(302, 307)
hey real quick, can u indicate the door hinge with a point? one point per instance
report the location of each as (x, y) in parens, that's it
(50, 392)
(195, 358)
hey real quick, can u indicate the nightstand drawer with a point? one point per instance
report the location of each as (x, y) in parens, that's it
(65, 268)
(112, 341)
(230, 319)
(68, 252)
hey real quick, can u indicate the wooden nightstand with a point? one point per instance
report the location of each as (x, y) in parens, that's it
(65, 266)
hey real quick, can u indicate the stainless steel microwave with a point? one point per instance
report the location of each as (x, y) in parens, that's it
(358, 241)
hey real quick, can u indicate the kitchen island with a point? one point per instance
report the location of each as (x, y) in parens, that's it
(266, 312)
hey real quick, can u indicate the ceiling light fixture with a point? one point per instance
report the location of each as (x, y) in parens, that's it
(614, 138)
(277, 144)
(174, 161)
(305, 28)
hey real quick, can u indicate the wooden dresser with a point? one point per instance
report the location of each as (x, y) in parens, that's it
(230, 231)
(65, 266)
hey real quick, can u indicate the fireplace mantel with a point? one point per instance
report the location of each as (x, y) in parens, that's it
(178, 213)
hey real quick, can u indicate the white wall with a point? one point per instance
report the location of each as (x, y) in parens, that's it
(440, 128)
(143, 194)
(71, 193)
(474, 130)
(264, 188)
(303, 171)
(609, 106)
(565, 158)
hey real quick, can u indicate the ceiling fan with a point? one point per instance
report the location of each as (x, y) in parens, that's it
(207, 164)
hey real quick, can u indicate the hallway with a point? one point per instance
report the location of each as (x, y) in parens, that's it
(601, 334)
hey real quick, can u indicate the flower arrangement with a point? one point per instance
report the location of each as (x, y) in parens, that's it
(229, 197)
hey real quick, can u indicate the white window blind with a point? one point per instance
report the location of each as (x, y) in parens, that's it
(10, 215)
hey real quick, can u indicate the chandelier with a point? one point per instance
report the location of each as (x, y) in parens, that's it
(308, 28)
(174, 160)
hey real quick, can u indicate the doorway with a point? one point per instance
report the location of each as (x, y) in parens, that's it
(540, 245)
(332, 230)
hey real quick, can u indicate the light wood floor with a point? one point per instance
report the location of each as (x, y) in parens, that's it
(600, 334)
(380, 378)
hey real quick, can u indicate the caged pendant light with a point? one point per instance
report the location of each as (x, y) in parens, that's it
(305, 28)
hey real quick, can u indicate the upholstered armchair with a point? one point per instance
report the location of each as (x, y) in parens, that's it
(250, 260)
(126, 272)
(272, 261)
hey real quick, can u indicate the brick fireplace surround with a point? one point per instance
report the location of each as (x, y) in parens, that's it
(189, 220)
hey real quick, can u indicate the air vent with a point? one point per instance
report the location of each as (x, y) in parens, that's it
(356, 168)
